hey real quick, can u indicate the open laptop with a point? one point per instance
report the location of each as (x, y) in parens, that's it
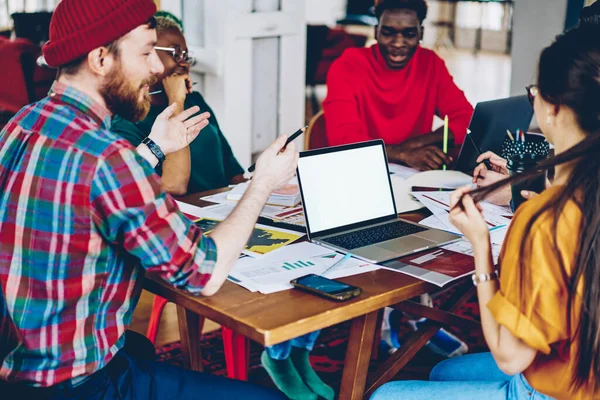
(349, 204)
(488, 128)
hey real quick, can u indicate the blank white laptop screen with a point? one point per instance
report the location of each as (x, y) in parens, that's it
(345, 187)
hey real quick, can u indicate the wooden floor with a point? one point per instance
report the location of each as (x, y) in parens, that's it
(484, 76)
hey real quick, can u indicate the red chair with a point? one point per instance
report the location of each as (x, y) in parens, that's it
(17, 58)
(236, 346)
(22, 81)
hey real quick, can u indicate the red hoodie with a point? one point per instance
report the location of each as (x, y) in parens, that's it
(368, 100)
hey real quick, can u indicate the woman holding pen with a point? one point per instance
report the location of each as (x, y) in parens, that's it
(540, 313)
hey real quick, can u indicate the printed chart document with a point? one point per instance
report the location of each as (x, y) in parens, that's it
(263, 239)
(273, 272)
(439, 266)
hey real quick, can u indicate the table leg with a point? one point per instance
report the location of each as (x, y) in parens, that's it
(358, 356)
(190, 331)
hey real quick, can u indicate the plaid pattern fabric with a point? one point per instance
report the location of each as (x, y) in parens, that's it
(82, 215)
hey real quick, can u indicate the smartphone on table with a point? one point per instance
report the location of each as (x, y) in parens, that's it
(325, 287)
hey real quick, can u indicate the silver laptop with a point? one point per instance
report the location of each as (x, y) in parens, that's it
(349, 204)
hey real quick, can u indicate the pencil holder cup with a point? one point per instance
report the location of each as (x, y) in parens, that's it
(534, 144)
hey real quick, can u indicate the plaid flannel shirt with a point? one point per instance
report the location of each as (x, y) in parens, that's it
(82, 215)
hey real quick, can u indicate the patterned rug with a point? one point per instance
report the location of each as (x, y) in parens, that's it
(328, 355)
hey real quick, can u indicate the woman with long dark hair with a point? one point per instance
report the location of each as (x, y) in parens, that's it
(541, 313)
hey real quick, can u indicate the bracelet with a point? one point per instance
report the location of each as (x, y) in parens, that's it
(479, 278)
(155, 149)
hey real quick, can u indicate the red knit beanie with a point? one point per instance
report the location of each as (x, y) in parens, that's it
(80, 26)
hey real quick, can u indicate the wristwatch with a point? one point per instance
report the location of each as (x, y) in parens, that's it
(479, 278)
(155, 149)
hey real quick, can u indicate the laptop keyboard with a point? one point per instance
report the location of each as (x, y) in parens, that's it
(376, 234)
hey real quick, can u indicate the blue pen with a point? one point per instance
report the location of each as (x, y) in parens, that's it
(340, 262)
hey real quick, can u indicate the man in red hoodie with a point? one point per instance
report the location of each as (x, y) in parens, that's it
(393, 89)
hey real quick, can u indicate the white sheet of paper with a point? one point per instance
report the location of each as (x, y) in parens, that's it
(220, 198)
(494, 215)
(402, 171)
(443, 179)
(404, 201)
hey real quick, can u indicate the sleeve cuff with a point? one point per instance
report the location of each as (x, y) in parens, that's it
(509, 316)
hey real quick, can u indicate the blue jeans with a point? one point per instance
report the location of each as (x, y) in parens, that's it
(282, 350)
(468, 377)
(133, 375)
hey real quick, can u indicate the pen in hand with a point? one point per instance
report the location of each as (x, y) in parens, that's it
(288, 141)
(486, 162)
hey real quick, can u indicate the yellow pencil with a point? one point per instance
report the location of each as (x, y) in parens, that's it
(510, 135)
(445, 143)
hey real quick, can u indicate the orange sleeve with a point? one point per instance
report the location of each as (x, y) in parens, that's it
(533, 296)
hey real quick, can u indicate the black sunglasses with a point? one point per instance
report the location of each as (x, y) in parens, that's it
(532, 91)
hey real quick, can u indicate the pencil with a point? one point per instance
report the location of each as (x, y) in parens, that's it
(337, 264)
(445, 143)
(288, 141)
(510, 135)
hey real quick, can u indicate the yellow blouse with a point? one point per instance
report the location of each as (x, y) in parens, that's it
(532, 302)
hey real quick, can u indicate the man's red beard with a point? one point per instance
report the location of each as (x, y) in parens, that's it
(122, 98)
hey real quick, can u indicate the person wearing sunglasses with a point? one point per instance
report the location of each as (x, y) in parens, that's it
(208, 162)
(393, 90)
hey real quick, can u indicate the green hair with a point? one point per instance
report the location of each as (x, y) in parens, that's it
(165, 21)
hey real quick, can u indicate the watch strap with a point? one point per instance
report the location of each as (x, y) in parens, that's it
(155, 149)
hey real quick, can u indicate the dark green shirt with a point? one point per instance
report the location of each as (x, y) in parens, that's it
(213, 162)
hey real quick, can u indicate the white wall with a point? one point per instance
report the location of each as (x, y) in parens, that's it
(325, 12)
(251, 65)
(535, 24)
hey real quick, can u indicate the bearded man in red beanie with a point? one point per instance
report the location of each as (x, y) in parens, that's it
(83, 217)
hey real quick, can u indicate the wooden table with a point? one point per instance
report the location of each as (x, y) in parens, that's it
(274, 318)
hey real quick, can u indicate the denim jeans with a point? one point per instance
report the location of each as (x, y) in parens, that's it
(282, 351)
(134, 375)
(468, 377)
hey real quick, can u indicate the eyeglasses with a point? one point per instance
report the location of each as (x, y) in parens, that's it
(179, 55)
(532, 91)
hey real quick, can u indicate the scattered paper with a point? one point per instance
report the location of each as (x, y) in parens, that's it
(272, 272)
(190, 210)
(220, 198)
(438, 266)
(441, 179)
(402, 171)
(439, 204)
(464, 247)
(404, 201)
(263, 239)
(297, 219)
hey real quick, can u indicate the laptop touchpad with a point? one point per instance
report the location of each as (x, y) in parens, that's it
(404, 244)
